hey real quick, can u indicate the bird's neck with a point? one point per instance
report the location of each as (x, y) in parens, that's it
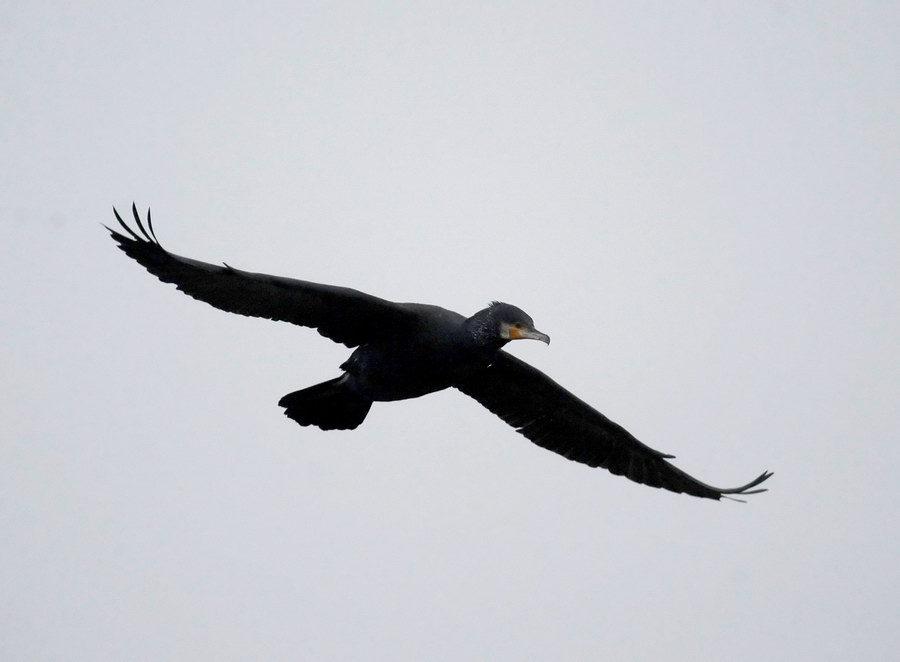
(480, 333)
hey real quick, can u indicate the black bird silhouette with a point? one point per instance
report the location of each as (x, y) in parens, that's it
(405, 350)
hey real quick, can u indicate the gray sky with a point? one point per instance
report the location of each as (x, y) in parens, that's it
(697, 201)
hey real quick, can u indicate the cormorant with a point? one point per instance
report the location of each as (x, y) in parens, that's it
(405, 350)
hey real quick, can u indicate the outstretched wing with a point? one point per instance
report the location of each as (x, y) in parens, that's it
(552, 417)
(339, 313)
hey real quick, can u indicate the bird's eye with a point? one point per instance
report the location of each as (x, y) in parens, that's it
(518, 325)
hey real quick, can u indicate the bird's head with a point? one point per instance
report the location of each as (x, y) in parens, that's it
(501, 322)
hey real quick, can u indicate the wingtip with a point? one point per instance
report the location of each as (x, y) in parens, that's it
(125, 226)
(150, 226)
(147, 233)
(137, 219)
(747, 489)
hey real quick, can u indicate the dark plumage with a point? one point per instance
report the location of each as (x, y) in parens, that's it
(404, 350)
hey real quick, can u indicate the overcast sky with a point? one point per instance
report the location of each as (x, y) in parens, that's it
(698, 201)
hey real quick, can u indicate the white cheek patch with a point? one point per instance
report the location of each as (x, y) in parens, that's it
(509, 332)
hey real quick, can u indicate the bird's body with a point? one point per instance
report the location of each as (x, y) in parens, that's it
(429, 349)
(429, 356)
(406, 350)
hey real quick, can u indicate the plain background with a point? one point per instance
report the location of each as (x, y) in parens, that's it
(698, 201)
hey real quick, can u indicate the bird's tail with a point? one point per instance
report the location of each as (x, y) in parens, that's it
(329, 405)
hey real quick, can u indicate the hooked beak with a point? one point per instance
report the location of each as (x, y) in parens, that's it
(534, 334)
(528, 334)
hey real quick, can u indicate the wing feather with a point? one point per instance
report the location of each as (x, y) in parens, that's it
(339, 313)
(552, 417)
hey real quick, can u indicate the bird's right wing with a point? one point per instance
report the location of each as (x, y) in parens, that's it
(552, 417)
(339, 313)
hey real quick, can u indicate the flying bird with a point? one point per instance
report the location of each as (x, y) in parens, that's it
(406, 350)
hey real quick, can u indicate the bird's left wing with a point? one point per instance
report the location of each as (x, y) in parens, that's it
(554, 418)
(339, 313)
